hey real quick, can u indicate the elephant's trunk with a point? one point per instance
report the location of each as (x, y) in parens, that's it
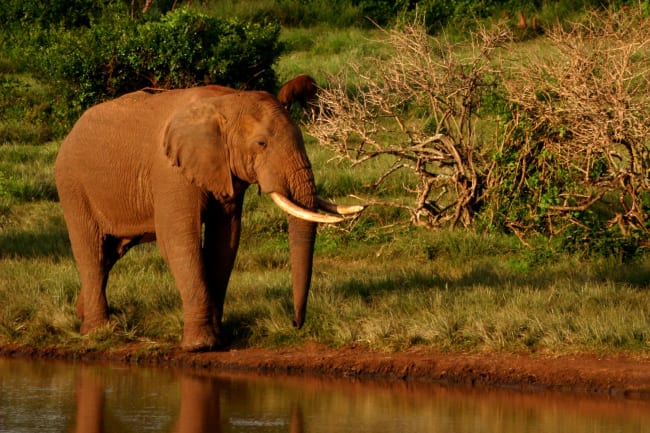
(302, 237)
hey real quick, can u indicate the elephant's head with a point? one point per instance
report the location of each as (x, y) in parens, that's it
(221, 141)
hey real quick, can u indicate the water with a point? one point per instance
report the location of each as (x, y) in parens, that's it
(59, 397)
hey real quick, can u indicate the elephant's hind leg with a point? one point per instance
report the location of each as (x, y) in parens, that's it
(92, 305)
(89, 253)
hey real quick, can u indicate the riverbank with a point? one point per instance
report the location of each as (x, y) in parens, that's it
(618, 376)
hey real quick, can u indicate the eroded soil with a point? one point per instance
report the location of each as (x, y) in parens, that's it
(620, 376)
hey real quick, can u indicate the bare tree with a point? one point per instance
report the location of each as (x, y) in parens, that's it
(420, 106)
(571, 149)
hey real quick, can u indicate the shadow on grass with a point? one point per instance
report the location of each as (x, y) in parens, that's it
(51, 241)
(241, 329)
(636, 275)
(237, 331)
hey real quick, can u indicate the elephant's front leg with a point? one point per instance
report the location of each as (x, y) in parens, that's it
(222, 233)
(178, 230)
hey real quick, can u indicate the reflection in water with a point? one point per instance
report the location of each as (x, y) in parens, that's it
(200, 405)
(199, 410)
(52, 397)
(90, 398)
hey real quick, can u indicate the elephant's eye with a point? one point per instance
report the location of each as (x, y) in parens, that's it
(260, 140)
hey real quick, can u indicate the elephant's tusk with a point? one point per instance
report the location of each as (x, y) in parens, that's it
(339, 209)
(299, 212)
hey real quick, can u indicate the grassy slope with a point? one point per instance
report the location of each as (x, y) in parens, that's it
(385, 288)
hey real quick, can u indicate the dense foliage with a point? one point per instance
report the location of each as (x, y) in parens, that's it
(114, 54)
(182, 49)
(66, 13)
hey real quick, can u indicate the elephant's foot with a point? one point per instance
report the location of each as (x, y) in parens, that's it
(89, 324)
(200, 340)
(93, 317)
(80, 308)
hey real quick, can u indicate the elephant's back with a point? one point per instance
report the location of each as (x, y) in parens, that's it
(130, 127)
(110, 144)
(104, 164)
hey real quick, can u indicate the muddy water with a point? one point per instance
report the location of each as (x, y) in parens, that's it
(57, 397)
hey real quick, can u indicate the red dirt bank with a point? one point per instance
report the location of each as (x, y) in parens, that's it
(620, 376)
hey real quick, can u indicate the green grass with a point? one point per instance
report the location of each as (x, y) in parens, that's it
(371, 288)
(320, 51)
(375, 285)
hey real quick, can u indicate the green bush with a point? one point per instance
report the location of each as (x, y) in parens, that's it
(184, 48)
(25, 111)
(66, 13)
(305, 13)
(382, 12)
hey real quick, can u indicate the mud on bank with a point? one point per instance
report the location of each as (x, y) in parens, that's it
(618, 376)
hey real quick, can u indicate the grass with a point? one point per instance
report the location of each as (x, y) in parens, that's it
(321, 51)
(375, 285)
(371, 287)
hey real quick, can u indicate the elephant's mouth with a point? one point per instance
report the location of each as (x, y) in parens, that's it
(305, 214)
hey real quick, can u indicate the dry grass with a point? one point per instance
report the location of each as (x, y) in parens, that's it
(451, 291)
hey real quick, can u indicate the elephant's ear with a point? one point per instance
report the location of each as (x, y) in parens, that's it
(195, 141)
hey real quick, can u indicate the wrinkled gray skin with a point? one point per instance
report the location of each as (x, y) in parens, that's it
(155, 166)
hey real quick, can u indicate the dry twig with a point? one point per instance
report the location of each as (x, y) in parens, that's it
(418, 106)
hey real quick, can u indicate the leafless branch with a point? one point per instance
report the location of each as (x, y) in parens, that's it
(416, 105)
(575, 137)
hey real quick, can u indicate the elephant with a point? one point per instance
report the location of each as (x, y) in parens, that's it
(173, 166)
(301, 89)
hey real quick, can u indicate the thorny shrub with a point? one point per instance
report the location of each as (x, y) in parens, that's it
(419, 105)
(551, 144)
(583, 126)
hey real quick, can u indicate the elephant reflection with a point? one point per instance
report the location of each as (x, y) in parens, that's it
(200, 405)
(90, 397)
(199, 411)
